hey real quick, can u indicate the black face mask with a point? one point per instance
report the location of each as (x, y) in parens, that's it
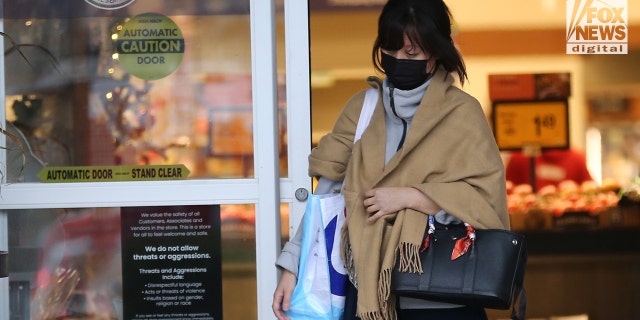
(405, 74)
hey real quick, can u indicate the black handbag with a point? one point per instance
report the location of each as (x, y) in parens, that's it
(461, 265)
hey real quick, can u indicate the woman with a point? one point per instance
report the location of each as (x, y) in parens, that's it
(439, 158)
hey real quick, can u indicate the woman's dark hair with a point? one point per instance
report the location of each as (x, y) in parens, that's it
(427, 23)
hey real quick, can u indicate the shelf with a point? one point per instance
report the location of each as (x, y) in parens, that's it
(589, 241)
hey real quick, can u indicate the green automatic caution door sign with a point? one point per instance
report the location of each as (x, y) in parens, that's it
(150, 46)
(113, 173)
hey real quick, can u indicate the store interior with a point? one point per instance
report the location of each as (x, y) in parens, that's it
(505, 39)
(588, 268)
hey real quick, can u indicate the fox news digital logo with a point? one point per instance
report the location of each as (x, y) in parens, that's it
(597, 27)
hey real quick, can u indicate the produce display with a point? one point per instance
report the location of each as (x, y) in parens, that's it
(566, 204)
(567, 196)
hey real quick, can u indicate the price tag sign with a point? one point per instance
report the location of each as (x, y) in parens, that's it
(543, 123)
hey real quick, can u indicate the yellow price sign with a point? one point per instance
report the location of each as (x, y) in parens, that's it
(543, 123)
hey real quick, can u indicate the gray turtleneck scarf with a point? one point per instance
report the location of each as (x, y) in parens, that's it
(400, 106)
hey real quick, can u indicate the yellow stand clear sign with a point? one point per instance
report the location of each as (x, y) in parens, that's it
(113, 173)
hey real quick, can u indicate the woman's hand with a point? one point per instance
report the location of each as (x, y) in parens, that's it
(380, 202)
(282, 295)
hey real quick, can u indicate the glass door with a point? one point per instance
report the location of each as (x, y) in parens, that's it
(149, 167)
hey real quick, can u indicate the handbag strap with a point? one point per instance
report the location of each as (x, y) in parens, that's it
(519, 293)
(369, 104)
(520, 313)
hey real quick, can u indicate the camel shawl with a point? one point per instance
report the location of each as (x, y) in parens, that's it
(449, 154)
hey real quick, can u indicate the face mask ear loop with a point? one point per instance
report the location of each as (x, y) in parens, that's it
(435, 67)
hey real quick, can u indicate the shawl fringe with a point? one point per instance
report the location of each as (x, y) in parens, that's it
(409, 255)
(347, 256)
(345, 247)
(387, 304)
(409, 261)
(369, 315)
(384, 288)
(389, 314)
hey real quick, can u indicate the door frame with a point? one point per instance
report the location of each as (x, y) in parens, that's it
(266, 190)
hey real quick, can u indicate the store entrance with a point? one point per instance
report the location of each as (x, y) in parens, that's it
(195, 169)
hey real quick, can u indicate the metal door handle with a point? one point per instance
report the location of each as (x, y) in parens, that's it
(302, 194)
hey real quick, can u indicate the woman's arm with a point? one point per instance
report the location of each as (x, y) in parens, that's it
(282, 295)
(383, 201)
(289, 259)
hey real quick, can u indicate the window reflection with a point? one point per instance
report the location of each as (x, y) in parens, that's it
(70, 262)
(74, 104)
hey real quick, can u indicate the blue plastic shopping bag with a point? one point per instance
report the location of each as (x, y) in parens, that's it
(320, 291)
(322, 278)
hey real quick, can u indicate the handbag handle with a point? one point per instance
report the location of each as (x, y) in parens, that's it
(463, 245)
